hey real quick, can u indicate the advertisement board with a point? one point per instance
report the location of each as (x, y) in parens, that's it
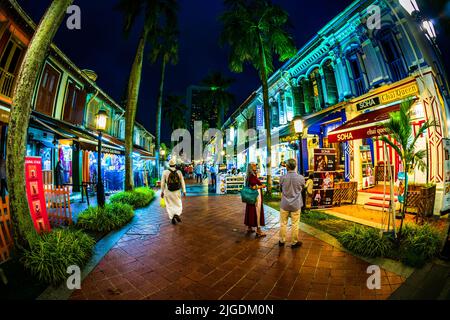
(35, 193)
(323, 178)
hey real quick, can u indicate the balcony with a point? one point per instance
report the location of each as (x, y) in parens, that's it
(6, 83)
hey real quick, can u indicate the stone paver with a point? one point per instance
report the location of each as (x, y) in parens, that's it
(210, 256)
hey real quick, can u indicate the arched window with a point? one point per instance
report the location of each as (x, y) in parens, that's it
(392, 54)
(308, 99)
(356, 72)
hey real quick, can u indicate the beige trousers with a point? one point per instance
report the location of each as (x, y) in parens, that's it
(295, 218)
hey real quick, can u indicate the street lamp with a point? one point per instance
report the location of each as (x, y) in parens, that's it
(100, 125)
(298, 128)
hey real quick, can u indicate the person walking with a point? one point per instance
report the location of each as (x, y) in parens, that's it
(59, 174)
(172, 186)
(199, 173)
(254, 213)
(291, 186)
(308, 191)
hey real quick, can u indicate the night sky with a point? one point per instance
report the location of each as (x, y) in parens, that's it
(101, 46)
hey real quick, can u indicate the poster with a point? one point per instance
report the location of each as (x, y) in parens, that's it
(35, 193)
(446, 196)
(323, 178)
(368, 178)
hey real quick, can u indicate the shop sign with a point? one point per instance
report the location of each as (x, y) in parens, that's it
(399, 93)
(368, 103)
(35, 193)
(389, 96)
(4, 116)
(289, 139)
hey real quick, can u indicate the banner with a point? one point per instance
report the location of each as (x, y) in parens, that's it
(323, 180)
(35, 193)
(259, 116)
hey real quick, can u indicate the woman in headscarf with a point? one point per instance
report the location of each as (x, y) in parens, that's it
(254, 213)
(172, 187)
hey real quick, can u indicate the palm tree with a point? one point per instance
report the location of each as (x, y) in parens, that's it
(399, 128)
(24, 232)
(255, 30)
(165, 47)
(218, 98)
(154, 12)
(174, 111)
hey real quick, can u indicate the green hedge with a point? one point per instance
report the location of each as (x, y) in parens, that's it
(138, 198)
(111, 217)
(365, 241)
(419, 244)
(48, 257)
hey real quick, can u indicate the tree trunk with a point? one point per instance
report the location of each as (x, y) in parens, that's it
(24, 232)
(134, 82)
(159, 112)
(265, 88)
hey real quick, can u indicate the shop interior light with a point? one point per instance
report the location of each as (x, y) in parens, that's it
(101, 120)
(409, 5)
(298, 125)
(162, 152)
(429, 28)
(222, 153)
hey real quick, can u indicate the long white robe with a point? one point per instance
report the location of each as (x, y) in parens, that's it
(174, 205)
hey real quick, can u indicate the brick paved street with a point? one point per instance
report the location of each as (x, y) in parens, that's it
(209, 256)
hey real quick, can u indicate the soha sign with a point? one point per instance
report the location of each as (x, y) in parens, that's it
(389, 96)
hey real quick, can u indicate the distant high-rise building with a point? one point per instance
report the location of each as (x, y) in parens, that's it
(199, 108)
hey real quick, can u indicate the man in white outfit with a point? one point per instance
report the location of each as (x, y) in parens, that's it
(172, 184)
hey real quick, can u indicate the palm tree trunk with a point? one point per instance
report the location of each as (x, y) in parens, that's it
(134, 82)
(24, 232)
(265, 88)
(159, 111)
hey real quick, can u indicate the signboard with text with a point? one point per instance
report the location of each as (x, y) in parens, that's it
(35, 193)
(259, 116)
(323, 178)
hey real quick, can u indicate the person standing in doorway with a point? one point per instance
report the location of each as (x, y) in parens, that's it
(254, 213)
(59, 174)
(172, 187)
(291, 186)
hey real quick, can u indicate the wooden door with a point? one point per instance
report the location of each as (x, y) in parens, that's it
(47, 90)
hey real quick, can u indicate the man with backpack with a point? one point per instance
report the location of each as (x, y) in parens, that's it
(172, 185)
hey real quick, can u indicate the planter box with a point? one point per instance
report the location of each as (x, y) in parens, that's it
(421, 200)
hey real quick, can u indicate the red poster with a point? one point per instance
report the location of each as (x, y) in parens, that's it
(35, 193)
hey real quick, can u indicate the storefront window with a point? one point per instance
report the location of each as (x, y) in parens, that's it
(65, 156)
(113, 170)
(46, 155)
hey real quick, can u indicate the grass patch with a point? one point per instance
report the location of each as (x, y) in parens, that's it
(48, 258)
(111, 217)
(137, 198)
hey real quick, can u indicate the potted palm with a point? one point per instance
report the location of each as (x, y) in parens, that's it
(399, 128)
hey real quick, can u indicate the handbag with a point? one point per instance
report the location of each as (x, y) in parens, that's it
(248, 195)
(162, 203)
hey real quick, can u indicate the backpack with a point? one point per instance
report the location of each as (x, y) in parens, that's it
(173, 181)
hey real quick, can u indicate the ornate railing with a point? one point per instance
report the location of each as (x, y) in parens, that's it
(6, 83)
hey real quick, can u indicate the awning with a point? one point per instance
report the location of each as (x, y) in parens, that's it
(366, 125)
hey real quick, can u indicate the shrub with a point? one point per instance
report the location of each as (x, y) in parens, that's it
(366, 242)
(137, 198)
(112, 216)
(51, 254)
(419, 244)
